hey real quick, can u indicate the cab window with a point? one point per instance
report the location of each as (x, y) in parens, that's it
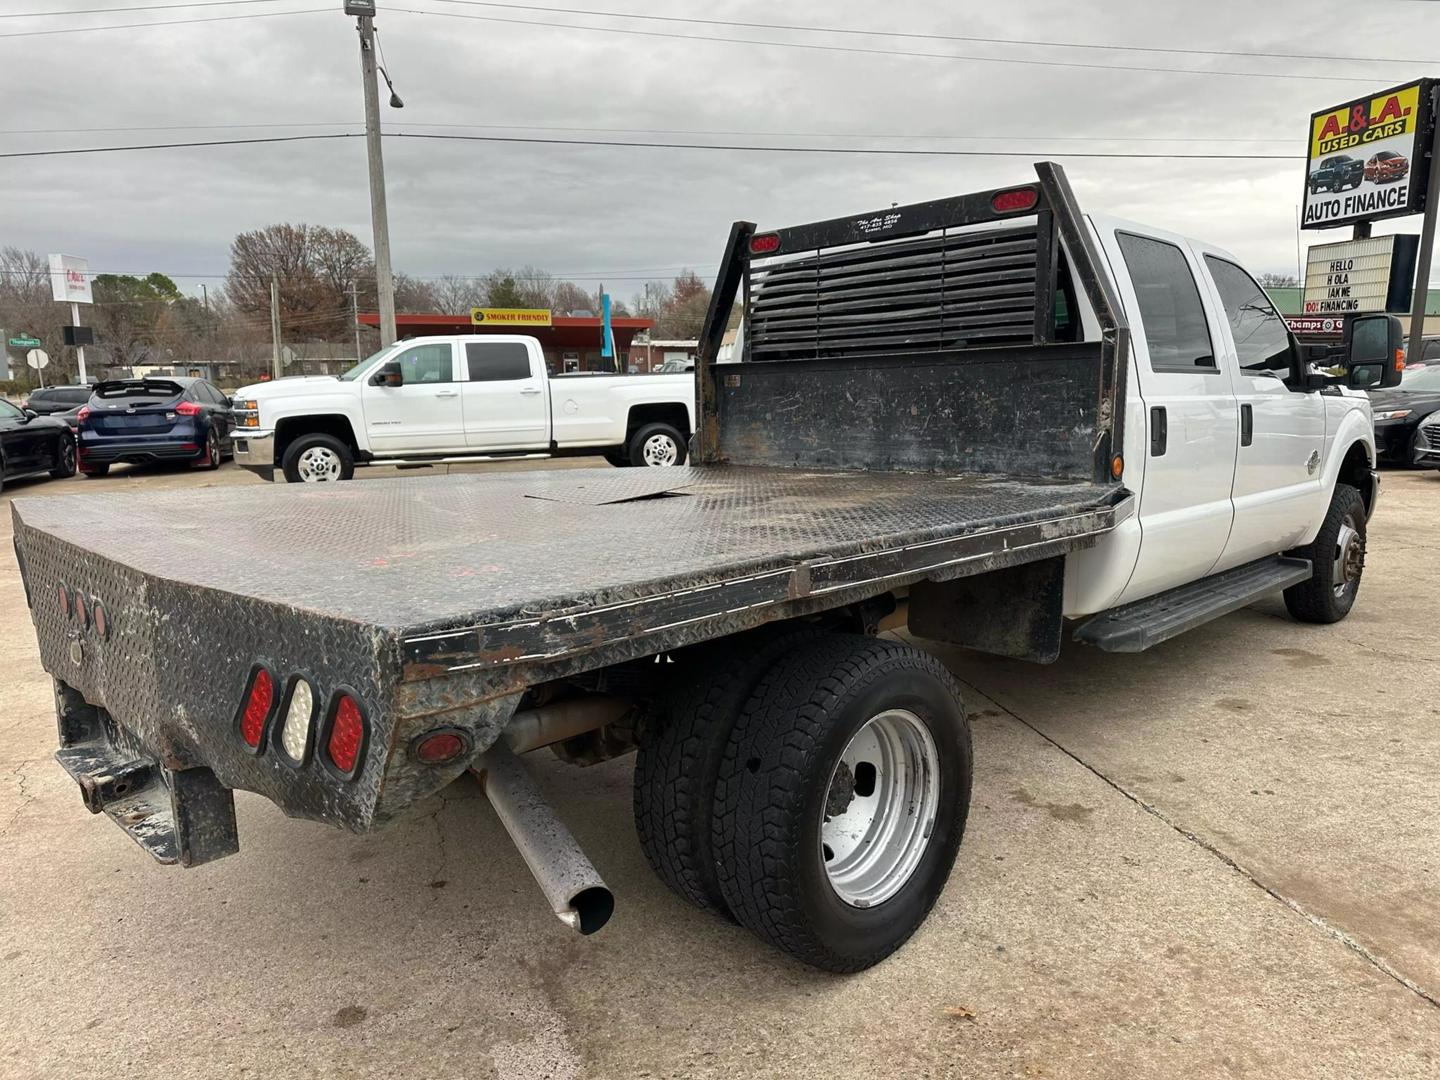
(426, 364)
(497, 361)
(1262, 340)
(1171, 315)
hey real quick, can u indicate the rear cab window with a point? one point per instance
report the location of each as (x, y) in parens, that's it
(1172, 316)
(497, 361)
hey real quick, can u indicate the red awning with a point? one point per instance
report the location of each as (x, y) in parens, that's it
(565, 331)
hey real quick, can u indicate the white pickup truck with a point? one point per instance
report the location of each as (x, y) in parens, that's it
(437, 400)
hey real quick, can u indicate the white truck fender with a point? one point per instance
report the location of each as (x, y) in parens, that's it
(1355, 427)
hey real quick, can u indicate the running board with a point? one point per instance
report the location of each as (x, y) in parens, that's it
(456, 459)
(1135, 627)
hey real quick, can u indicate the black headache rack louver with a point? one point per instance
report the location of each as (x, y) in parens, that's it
(854, 329)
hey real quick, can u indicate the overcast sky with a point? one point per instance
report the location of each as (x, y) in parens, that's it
(632, 213)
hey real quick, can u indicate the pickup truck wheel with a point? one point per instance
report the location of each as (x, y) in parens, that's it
(657, 445)
(842, 799)
(618, 459)
(680, 756)
(1338, 558)
(318, 458)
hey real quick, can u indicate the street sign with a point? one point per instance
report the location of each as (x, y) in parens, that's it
(24, 341)
(37, 358)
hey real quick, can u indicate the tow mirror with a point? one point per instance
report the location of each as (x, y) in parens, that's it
(388, 375)
(1374, 352)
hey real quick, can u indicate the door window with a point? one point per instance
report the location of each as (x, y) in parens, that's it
(497, 361)
(427, 364)
(10, 412)
(1262, 340)
(1171, 315)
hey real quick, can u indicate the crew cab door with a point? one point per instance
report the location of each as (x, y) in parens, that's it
(422, 415)
(1191, 415)
(1277, 492)
(504, 397)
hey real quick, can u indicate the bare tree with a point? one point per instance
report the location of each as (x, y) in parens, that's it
(455, 295)
(1278, 281)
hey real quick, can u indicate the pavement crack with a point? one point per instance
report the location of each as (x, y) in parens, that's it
(26, 798)
(442, 851)
(1375, 960)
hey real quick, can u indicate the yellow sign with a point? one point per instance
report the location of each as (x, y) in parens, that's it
(504, 316)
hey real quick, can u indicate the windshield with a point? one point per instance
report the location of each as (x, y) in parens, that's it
(1425, 378)
(355, 372)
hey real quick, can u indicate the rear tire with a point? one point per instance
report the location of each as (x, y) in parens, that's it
(656, 446)
(93, 471)
(317, 458)
(679, 760)
(1337, 557)
(212, 451)
(842, 800)
(66, 466)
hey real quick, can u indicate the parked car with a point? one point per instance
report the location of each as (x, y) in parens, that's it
(1399, 410)
(141, 421)
(57, 399)
(1386, 167)
(1337, 173)
(472, 397)
(1427, 442)
(1429, 353)
(31, 444)
(347, 655)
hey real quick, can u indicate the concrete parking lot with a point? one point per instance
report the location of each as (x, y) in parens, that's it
(1217, 858)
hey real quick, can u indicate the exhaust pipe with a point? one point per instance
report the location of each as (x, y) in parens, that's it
(561, 720)
(572, 885)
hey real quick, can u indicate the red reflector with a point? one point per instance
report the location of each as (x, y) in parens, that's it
(102, 621)
(188, 408)
(764, 243)
(440, 747)
(64, 595)
(347, 735)
(1014, 200)
(80, 612)
(257, 708)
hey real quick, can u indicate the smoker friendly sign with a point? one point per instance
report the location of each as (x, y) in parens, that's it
(1367, 158)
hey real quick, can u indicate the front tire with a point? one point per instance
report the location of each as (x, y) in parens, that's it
(317, 458)
(1337, 558)
(657, 446)
(842, 800)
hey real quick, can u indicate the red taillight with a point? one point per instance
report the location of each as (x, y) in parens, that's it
(764, 243)
(64, 595)
(257, 708)
(102, 621)
(80, 613)
(188, 408)
(440, 747)
(346, 738)
(81, 416)
(1014, 200)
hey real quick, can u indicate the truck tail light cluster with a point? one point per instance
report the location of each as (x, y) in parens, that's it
(83, 610)
(286, 724)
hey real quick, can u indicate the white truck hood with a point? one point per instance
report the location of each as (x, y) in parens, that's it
(292, 386)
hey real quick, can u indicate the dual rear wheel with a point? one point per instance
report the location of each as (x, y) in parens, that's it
(811, 786)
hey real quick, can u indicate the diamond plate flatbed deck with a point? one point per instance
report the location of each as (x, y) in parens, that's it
(500, 558)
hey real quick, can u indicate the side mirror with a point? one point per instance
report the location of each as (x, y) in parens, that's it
(388, 375)
(1374, 352)
(30, 414)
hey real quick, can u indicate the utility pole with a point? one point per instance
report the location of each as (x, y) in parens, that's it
(379, 218)
(275, 327)
(355, 319)
(1427, 241)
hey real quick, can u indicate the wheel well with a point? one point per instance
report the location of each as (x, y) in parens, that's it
(291, 428)
(672, 413)
(1355, 470)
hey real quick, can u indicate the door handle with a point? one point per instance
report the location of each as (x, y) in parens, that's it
(447, 393)
(1159, 430)
(1247, 425)
(530, 390)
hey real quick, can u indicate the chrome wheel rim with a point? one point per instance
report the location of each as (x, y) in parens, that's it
(660, 450)
(318, 464)
(1349, 557)
(880, 808)
(67, 456)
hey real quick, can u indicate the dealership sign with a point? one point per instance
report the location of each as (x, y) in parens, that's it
(1366, 158)
(1306, 327)
(1356, 277)
(490, 316)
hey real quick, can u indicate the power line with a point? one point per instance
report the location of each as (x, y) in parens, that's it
(855, 49)
(136, 7)
(676, 131)
(733, 148)
(932, 36)
(164, 22)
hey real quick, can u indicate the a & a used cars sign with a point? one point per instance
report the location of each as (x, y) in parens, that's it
(1367, 158)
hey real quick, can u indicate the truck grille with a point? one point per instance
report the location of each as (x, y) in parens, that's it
(945, 290)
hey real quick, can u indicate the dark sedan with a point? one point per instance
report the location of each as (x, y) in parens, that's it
(1399, 410)
(154, 419)
(49, 400)
(31, 445)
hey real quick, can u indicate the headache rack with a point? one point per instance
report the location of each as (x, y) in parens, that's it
(941, 336)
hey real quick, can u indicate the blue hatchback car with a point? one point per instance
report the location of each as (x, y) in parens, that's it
(154, 419)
